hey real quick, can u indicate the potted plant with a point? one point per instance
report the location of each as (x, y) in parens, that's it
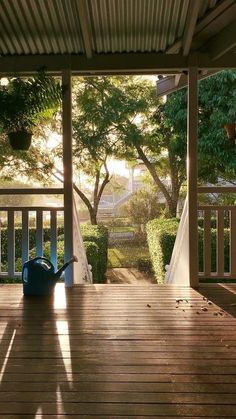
(24, 103)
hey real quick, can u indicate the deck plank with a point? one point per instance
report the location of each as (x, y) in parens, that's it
(119, 351)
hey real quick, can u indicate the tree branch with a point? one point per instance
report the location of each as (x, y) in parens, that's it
(153, 173)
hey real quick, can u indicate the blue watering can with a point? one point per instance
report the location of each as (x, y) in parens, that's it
(39, 276)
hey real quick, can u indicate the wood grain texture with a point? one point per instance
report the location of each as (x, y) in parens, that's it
(119, 351)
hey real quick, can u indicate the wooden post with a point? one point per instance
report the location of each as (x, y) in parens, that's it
(68, 174)
(192, 151)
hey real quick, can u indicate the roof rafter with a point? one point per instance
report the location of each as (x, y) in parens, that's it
(190, 25)
(223, 42)
(85, 28)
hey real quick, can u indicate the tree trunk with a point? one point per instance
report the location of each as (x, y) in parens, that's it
(170, 203)
(93, 216)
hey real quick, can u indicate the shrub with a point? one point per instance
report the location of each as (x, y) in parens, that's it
(97, 234)
(213, 249)
(92, 234)
(18, 240)
(161, 238)
(92, 253)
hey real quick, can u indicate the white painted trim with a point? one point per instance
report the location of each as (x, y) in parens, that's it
(68, 175)
(192, 153)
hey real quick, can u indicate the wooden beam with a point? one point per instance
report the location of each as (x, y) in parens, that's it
(127, 63)
(85, 27)
(68, 174)
(222, 42)
(168, 85)
(31, 191)
(190, 24)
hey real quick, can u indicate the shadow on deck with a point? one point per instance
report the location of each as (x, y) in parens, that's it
(111, 351)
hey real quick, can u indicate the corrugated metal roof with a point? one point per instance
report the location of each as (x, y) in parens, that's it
(53, 26)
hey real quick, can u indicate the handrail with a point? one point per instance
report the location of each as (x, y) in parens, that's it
(31, 191)
(216, 207)
(30, 208)
(216, 189)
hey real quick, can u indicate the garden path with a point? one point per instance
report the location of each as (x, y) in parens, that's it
(128, 276)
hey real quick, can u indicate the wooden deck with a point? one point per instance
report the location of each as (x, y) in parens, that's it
(119, 351)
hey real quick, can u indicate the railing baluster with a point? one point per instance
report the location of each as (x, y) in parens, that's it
(25, 235)
(39, 233)
(232, 241)
(0, 244)
(53, 224)
(220, 242)
(207, 242)
(11, 243)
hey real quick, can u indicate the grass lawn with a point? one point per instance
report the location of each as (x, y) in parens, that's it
(126, 256)
(122, 229)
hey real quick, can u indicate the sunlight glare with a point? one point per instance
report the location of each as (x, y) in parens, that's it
(7, 355)
(60, 296)
(64, 342)
(53, 140)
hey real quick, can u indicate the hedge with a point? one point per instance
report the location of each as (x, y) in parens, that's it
(18, 239)
(161, 238)
(97, 234)
(95, 240)
(92, 253)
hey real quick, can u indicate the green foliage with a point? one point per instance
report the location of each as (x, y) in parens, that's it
(213, 249)
(93, 256)
(99, 235)
(103, 110)
(18, 240)
(142, 207)
(217, 98)
(95, 240)
(161, 238)
(26, 102)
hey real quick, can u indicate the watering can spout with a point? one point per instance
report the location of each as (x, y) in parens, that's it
(62, 269)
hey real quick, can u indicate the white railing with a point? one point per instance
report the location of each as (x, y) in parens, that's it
(23, 218)
(37, 218)
(224, 251)
(225, 219)
(218, 241)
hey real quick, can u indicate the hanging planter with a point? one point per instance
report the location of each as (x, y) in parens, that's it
(231, 131)
(20, 140)
(26, 103)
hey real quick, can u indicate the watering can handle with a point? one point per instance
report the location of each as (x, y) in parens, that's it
(42, 258)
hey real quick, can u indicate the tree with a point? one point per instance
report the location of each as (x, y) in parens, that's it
(142, 207)
(122, 116)
(152, 138)
(161, 138)
(217, 99)
(118, 116)
(100, 108)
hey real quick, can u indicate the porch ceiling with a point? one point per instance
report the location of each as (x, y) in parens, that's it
(125, 36)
